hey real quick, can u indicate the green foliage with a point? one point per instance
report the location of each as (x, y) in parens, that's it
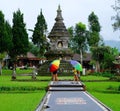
(20, 89)
(39, 34)
(20, 36)
(2, 32)
(9, 37)
(105, 55)
(93, 39)
(33, 49)
(104, 74)
(98, 52)
(115, 78)
(94, 24)
(78, 37)
(2, 55)
(94, 29)
(5, 35)
(71, 32)
(119, 88)
(116, 18)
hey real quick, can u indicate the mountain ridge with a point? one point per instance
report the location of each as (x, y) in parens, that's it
(113, 44)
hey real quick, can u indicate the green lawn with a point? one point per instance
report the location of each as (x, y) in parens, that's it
(21, 95)
(18, 71)
(109, 99)
(106, 92)
(25, 94)
(20, 101)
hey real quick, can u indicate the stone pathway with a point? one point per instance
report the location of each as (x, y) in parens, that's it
(69, 96)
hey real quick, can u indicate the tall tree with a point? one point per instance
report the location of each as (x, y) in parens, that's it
(39, 34)
(2, 35)
(116, 7)
(20, 37)
(94, 29)
(5, 38)
(71, 32)
(9, 36)
(78, 38)
(2, 32)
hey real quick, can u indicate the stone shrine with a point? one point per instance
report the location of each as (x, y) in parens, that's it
(59, 39)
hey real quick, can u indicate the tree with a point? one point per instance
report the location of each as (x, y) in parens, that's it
(94, 29)
(20, 38)
(2, 35)
(5, 38)
(110, 57)
(71, 32)
(103, 57)
(5, 35)
(33, 49)
(9, 38)
(116, 7)
(39, 34)
(78, 38)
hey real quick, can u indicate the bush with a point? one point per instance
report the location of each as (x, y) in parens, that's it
(23, 88)
(115, 78)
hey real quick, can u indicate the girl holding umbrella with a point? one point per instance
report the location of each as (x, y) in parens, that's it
(54, 66)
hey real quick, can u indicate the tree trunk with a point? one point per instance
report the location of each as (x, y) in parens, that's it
(97, 66)
(14, 72)
(81, 57)
(0, 68)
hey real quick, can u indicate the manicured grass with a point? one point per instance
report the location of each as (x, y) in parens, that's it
(109, 99)
(106, 92)
(102, 86)
(90, 78)
(21, 95)
(20, 101)
(6, 81)
(18, 71)
(25, 98)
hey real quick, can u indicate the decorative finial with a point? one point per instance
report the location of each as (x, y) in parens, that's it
(59, 15)
(59, 7)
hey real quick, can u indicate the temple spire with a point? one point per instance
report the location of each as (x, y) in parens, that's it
(59, 14)
(59, 39)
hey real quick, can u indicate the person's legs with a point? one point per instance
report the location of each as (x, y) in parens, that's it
(53, 77)
(75, 78)
(78, 75)
(56, 77)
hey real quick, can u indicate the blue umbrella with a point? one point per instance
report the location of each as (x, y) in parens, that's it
(76, 65)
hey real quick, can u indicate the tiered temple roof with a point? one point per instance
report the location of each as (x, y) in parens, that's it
(59, 29)
(59, 39)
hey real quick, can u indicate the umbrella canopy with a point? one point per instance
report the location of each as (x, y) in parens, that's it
(54, 65)
(76, 65)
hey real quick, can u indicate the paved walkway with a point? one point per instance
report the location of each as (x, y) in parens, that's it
(69, 96)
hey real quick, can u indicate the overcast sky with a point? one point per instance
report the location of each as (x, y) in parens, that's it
(73, 11)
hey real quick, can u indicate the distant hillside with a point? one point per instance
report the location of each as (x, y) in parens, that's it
(113, 43)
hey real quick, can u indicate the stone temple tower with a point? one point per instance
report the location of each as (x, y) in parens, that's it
(59, 39)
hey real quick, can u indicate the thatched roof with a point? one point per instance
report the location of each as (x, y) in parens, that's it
(86, 57)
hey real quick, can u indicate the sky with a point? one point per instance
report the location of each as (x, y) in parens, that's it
(73, 11)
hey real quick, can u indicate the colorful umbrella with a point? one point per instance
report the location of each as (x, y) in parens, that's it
(54, 65)
(76, 65)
